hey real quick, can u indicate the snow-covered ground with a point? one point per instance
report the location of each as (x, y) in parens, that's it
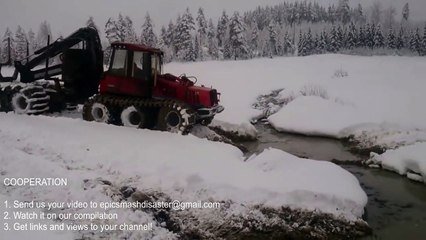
(370, 100)
(351, 92)
(184, 168)
(409, 161)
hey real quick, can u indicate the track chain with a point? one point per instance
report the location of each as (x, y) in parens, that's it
(36, 97)
(122, 102)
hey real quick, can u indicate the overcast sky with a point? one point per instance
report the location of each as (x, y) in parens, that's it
(65, 16)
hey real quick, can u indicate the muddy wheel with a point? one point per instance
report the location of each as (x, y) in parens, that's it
(30, 100)
(175, 119)
(95, 111)
(132, 117)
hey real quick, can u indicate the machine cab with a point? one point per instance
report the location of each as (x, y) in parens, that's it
(133, 70)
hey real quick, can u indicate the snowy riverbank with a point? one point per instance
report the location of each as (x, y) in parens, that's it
(184, 168)
(373, 104)
(408, 161)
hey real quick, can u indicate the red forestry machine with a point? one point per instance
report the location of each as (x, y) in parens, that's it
(133, 91)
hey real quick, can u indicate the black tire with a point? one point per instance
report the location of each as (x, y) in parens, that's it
(29, 100)
(96, 112)
(133, 117)
(175, 119)
(5, 99)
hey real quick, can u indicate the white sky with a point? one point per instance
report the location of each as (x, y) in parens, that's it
(65, 16)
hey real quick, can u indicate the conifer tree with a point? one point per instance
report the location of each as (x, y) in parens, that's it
(272, 29)
(370, 31)
(212, 42)
(129, 31)
(341, 37)
(391, 40)
(361, 37)
(20, 44)
(287, 44)
(415, 42)
(400, 40)
(254, 39)
(198, 54)
(309, 43)
(8, 50)
(121, 28)
(222, 27)
(202, 27)
(323, 42)
(379, 40)
(183, 37)
(351, 38)
(334, 44)
(301, 45)
(111, 31)
(148, 36)
(238, 44)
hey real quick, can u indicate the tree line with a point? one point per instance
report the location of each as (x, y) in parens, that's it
(368, 36)
(296, 28)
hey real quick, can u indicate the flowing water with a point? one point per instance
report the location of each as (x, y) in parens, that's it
(396, 206)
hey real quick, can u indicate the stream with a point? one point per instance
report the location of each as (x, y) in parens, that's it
(396, 206)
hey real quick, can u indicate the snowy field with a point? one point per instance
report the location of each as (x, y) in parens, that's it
(184, 168)
(383, 94)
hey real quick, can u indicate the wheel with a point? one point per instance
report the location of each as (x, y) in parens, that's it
(20, 103)
(95, 111)
(131, 117)
(175, 119)
(30, 100)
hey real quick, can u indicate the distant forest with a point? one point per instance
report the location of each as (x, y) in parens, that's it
(287, 29)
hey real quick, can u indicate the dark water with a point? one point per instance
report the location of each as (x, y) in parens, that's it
(397, 206)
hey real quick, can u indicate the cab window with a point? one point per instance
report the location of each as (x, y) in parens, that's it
(156, 64)
(119, 64)
(137, 66)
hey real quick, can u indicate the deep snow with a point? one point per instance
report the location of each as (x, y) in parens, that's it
(185, 168)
